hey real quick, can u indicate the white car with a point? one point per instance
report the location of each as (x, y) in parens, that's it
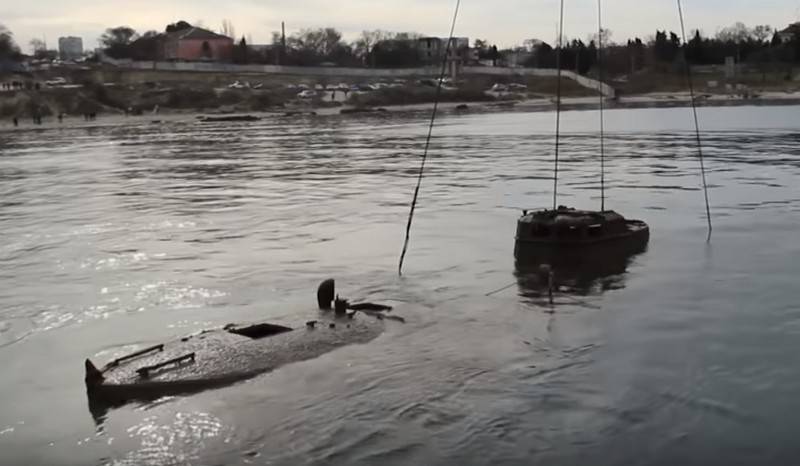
(307, 94)
(237, 85)
(56, 82)
(499, 88)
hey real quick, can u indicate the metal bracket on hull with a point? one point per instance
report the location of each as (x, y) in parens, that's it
(118, 361)
(144, 372)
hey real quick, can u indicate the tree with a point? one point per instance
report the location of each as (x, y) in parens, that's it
(314, 46)
(737, 33)
(227, 28)
(146, 47)
(37, 46)
(396, 53)
(761, 33)
(603, 38)
(8, 48)
(494, 55)
(362, 47)
(666, 50)
(636, 54)
(179, 26)
(530, 44)
(695, 50)
(776, 40)
(240, 52)
(116, 40)
(545, 56)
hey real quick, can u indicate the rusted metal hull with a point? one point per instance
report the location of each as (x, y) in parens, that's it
(633, 241)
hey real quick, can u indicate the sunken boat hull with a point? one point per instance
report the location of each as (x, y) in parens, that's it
(569, 238)
(216, 358)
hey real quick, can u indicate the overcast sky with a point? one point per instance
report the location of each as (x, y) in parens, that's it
(505, 22)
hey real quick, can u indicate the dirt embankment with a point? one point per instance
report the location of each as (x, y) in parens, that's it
(118, 91)
(99, 98)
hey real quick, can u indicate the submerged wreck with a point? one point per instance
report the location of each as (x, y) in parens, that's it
(226, 118)
(564, 237)
(219, 357)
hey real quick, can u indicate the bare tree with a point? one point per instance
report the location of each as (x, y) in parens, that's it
(530, 44)
(604, 37)
(762, 32)
(37, 46)
(320, 42)
(228, 29)
(737, 33)
(363, 46)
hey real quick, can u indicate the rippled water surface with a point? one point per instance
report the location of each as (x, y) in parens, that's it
(127, 234)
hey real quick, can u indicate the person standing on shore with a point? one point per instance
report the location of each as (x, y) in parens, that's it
(16, 122)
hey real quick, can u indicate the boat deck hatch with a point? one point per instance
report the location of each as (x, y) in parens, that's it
(259, 331)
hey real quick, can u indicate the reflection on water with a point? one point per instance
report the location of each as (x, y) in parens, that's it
(594, 271)
(130, 234)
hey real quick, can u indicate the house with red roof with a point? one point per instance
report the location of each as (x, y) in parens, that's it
(197, 44)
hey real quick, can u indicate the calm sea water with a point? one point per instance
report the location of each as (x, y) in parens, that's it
(126, 234)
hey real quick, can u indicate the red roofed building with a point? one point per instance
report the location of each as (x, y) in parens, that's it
(197, 44)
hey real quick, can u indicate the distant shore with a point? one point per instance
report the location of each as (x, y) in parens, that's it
(655, 100)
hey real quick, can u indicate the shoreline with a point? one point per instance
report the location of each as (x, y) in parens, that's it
(654, 101)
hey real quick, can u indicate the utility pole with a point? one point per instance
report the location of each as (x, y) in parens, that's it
(282, 53)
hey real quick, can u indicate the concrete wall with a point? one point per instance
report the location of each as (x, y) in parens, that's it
(274, 69)
(336, 72)
(584, 81)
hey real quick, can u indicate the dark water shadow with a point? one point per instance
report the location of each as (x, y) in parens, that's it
(585, 272)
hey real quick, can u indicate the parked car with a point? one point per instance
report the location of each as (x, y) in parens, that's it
(517, 87)
(55, 82)
(499, 88)
(237, 85)
(307, 94)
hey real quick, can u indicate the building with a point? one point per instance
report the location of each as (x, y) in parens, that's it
(788, 34)
(197, 44)
(431, 49)
(516, 58)
(70, 48)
